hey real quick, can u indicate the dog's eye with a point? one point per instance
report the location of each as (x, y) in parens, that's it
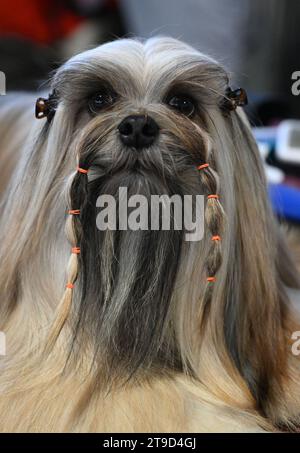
(183, 104)
(99, 101)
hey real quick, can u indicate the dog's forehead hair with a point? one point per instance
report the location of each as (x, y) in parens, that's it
(136, 69)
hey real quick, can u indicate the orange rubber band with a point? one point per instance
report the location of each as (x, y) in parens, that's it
(216, 238)
(211, 279)
(74, 211)
(76, 250)
(212, 196)
(70, 285)
(202, 166)
(82, 170)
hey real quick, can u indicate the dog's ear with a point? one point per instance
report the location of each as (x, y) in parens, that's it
(254, 297)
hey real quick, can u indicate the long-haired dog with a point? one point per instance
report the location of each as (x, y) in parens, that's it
(134, 331)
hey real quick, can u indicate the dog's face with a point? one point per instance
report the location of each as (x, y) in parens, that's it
(148, 117)
(140, 109)
(141, 117)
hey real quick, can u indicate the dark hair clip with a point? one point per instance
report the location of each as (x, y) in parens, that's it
(234, 98)
(46, 107)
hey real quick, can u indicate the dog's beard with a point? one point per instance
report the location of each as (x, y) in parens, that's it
(128, 278)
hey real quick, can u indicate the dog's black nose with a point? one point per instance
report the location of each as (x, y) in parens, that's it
(138, 131)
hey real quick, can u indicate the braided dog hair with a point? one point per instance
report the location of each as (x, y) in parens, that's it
(124, 306)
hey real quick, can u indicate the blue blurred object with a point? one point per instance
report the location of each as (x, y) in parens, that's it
(285, 201)
(265, 135)
(285, 198)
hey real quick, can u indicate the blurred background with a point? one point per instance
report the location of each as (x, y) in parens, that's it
(257, 40)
